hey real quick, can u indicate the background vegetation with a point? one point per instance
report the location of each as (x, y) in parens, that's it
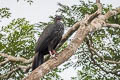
(19, 36)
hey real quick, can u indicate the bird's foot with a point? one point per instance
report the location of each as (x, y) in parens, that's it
(52, 54)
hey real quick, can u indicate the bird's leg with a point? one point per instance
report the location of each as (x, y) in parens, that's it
(54, 52)
(51, 53)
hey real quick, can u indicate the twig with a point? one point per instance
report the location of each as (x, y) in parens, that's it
(4, 62)
(112, 25)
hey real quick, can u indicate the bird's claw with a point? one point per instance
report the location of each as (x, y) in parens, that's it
(52, 55)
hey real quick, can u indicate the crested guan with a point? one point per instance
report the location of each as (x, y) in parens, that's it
(48, 41)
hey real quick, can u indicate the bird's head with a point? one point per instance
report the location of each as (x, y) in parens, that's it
(58, 18)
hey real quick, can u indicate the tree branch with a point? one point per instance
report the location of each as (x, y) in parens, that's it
(12, 58)
(111, 13)
(97, 1)
(4, 62)
(97, 13)
(112, 25)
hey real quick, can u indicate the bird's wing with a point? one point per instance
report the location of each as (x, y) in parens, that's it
(56, 36)
(45, 38)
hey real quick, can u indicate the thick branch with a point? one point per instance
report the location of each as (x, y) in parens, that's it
(97, 13)
(111, 13)
(100, 21)
(12, 58)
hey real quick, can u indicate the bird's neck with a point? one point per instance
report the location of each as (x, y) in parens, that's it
(56, 21)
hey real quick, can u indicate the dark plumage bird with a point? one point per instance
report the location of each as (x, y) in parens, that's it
(48, 41)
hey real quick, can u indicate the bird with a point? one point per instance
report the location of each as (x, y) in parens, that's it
(48, 40)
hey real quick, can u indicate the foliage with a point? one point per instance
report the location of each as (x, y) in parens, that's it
(18, 39)
(28, 1)
(53, 75)
(4, 13)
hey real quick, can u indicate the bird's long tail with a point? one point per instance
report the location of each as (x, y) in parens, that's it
(38, 60)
